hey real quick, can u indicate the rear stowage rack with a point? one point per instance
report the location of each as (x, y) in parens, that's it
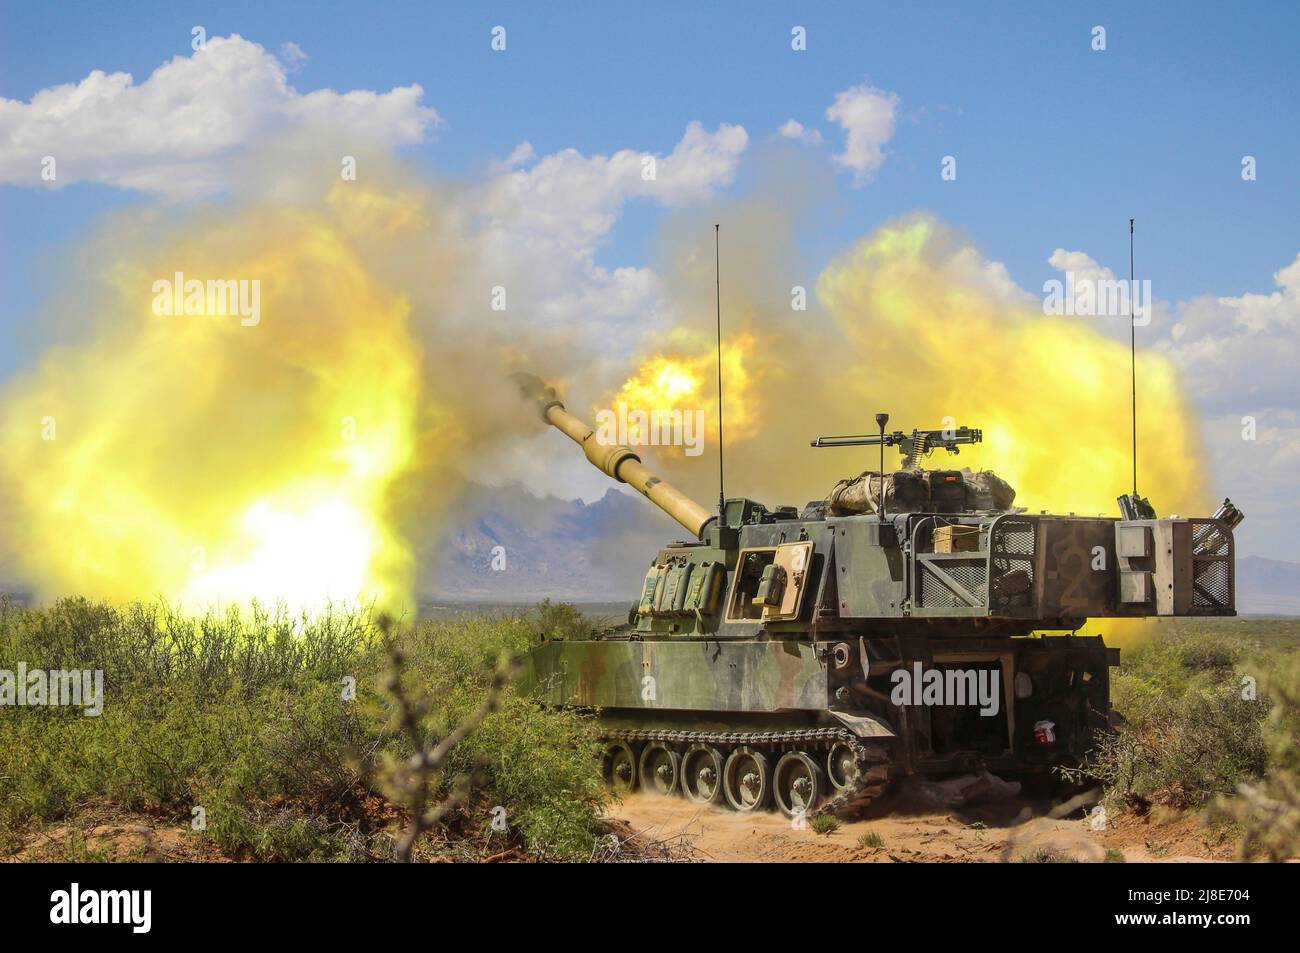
(1212, 568)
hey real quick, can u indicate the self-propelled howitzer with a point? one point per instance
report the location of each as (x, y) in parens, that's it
(911, 623)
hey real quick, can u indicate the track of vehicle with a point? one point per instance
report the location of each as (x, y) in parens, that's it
(801, 771)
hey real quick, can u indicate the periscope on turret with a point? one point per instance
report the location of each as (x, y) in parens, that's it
(808, 658)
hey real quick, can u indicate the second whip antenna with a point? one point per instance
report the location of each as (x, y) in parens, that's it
(717, 291)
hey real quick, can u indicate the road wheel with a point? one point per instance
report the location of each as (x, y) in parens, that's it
(799, 784)
(747, 779)
(620, 767)
(841, 766)
(660, 768)
(702, 774)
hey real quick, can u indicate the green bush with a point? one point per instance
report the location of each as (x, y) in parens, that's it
(1045, 855)
(824, 824)
(560, 620)
(1267, 811)
(243, 714)
(871, 840)
(1189, 734)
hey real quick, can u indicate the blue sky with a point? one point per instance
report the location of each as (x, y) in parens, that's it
(1057, 144)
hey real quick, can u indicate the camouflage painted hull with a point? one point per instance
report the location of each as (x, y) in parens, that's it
(698, 676)
(796, 684)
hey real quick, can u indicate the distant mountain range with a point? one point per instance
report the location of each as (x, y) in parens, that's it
(562, 549)
(599, 552)
(1267, 586)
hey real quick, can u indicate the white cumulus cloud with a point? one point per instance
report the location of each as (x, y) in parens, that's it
(181, 132)
(866, 115)
(543, 219)
(1080, 264)
(794, 129)
(1241, 353)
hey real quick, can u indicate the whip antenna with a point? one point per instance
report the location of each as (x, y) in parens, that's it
(1132, 351)
(717, 290)
(1132, 506)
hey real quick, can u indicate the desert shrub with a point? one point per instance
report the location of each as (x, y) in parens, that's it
(825, 824)
(560, 620)
(540, 764)
(243, 714)
(1175, 661)
(1045, 855)
(1268, 810)
(871, 839)
(1189, 733)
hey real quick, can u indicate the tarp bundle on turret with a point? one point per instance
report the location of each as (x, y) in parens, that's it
(985, 490)
(910, 491)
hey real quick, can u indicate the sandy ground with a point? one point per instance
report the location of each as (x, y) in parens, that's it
(657, 828)
(1011, 829)
(113, 835)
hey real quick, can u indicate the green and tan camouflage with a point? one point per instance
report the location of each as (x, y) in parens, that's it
(763, 659)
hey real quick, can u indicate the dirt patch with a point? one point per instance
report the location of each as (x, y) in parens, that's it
(650, 828)
(896, 830)
(115, 836)
(1169, 836)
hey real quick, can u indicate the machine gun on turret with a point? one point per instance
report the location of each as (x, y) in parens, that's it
(912, 446)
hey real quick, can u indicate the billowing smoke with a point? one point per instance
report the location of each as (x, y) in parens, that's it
(912, 321)
(289, 441)
(303, 443)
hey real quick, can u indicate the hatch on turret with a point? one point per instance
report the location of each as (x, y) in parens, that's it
(770, 582)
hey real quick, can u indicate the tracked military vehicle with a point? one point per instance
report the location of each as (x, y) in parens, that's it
(805, 659)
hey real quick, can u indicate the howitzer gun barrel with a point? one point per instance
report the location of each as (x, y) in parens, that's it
(616, 461)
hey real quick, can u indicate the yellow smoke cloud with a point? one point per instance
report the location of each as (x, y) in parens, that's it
(933, 338)
(914, 322)
(203, 458)
(684, 376)
(304, 458)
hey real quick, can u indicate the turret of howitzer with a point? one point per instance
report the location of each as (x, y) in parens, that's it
(904, 548)
(616, 461)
